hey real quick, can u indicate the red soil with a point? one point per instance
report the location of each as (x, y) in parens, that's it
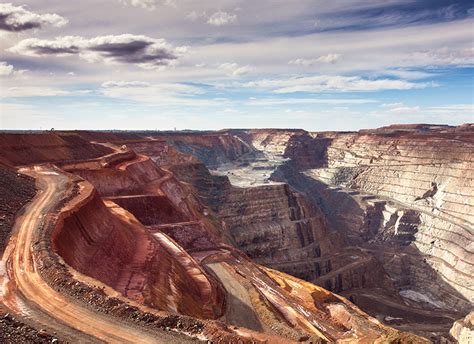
(114, 248)
(24, 149)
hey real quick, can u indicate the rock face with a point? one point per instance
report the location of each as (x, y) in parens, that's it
(422, 183)
(463, 329)
(24, 149)
(152, 270)
(261, 228)
(392, 210)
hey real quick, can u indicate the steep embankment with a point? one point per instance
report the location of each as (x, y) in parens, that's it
(27, 286)
(392, 201)
(212, 149)
(425, 186)
(277, 227)
(24, 149)
(156, 197)
(152, 270)
(404, 197)
(139, 232)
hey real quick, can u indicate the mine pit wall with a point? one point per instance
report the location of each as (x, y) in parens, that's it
(151, 209)
(411, 267)
(463, 329)
(406, 169)
(270, 141)
(435, 178)
(213, 149)
(133, 179)
(372, 163)
(149, 192)
(143, 177)
(270, 222)
(278, 228)
(109, 182)
(161, 152)
(306, 151)
(124, 255)
(25, 149)
(191, 236)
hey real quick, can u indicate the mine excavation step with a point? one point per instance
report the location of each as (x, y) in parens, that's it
(156, 248)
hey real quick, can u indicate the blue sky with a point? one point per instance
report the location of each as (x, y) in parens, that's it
(164, 64)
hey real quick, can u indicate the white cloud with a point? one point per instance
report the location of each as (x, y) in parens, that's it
(221, 18)
(194, 15)
(407, 74)
(143, 51)
(402, 113)
(391, 105)
(327, 83)
(17, 18)
(405, 109)
(149, 5)
(5, 69)
(467, 109)
(232, 110)
(306, 101)
(453, 109)
(233, 69)
(109, 84)
(33, 91)
(365, 51)
(329, 58)
(446, 56)
(164, 94)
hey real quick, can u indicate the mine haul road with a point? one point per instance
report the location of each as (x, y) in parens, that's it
(28, 294)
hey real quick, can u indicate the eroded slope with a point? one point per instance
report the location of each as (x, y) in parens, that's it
(168, 239)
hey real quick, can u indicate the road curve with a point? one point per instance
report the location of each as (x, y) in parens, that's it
(70, 317)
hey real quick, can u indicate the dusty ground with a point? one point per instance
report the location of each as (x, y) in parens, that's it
(49, 307)
(15, 191)
(15, 331)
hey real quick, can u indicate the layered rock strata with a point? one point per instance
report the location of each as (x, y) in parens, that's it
(424, 191)
(463, 329)
(155, 271)
(177, 237)
(399, 197)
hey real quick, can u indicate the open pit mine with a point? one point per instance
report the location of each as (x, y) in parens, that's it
(238, 236)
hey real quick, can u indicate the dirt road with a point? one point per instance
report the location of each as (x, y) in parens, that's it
(42, 303)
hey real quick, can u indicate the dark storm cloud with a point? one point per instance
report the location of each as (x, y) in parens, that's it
(160, 57)
(45, 50)
(133, 49)
(121, 49)
(137, 51)
(17, 18)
